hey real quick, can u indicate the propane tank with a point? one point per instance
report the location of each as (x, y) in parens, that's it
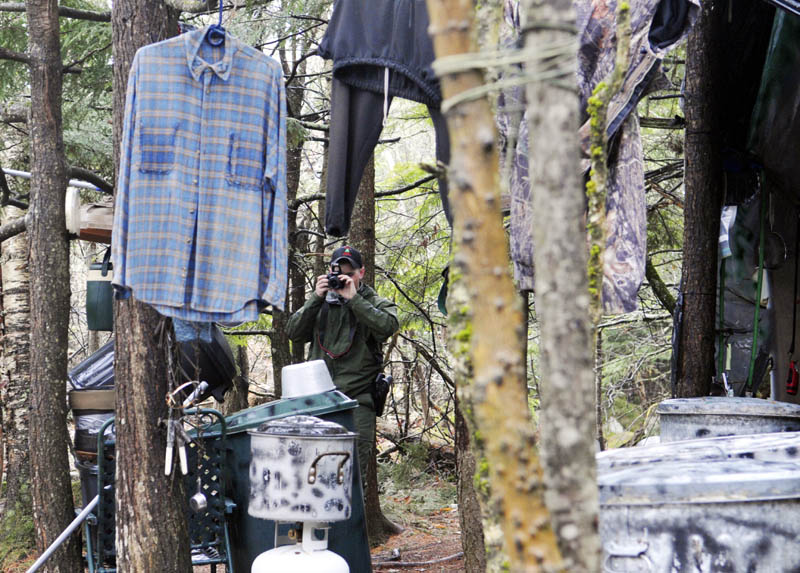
(310, 556)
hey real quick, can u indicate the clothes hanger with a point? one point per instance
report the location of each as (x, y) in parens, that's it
(216, 33)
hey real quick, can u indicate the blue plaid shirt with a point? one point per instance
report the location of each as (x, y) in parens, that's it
(200, 222)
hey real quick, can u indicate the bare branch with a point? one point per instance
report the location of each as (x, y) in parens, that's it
(6, 54)
(453, 557)
(73, 66)
(431, 360)
(317, 196)
(13, 228)
(86, 175)
(63, 11)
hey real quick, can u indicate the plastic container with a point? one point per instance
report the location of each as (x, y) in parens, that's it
(305, 379)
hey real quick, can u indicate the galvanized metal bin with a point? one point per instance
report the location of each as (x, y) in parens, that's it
(776, 447)
(690, 418)
(252, 536)
(733, 515)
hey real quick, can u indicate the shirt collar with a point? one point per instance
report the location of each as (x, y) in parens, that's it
(197, 65)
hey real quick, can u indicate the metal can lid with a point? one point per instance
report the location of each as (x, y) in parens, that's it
(735, 406)
(774, 447)
(302, 426)
(723, 481)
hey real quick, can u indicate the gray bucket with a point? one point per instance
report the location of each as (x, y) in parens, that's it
(690, 418)
(734, 515)
(776, 447)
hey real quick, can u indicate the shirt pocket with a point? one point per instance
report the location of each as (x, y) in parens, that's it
(245, 163)
(157, 147)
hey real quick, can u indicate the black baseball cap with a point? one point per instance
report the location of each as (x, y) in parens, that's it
(347, 254)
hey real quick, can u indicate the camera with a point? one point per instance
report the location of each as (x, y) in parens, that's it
(334, 282)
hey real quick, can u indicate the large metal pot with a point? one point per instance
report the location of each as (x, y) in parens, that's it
(689, 418)
(735, 515)
(301, 470)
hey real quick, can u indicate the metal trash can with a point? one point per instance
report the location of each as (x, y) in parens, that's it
(775, 447)
(689, 418)
(736, 515)
(252, 536)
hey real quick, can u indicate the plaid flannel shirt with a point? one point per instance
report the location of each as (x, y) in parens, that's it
(200, 222)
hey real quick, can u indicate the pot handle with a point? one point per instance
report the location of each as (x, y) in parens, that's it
(633, 550)
(312, 471)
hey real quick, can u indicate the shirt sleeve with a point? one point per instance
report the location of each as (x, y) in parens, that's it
(300, 327)
(380, 318)
(276, 224)
(119, 233)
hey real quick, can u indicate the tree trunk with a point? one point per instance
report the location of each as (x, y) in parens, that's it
(237, 397)
(567, 385)
(486, 533)
(151, 524)
(53, 507)
(501, 402)
(281, 352)
(362, 231)
(469, 508)
(704, 190)
(362, 237)
(15, 381)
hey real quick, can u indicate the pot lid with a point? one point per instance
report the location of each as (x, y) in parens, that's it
(775, 447)
(724, 481)
(728, 406)
(303, 426)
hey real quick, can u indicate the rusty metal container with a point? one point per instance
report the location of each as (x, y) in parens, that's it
(689, 418)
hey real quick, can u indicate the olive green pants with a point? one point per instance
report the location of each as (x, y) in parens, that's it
(364, 420)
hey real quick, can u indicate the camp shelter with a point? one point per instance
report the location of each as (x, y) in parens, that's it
(759, 135)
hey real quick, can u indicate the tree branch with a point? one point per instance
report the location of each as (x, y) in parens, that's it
(269, 333)
(430, 360)
(659, 288)
(73, 65)
(63, 11)
(453, 557)
(676, 122)
(6, 54)
(93, 178)
(13, 228)
(317, 196)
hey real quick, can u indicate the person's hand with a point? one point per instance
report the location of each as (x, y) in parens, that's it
(322, 285)
(348, 291)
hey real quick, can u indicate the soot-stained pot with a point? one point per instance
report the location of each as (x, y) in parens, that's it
(301, 470)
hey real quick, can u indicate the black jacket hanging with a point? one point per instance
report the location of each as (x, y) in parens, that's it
(364, 40)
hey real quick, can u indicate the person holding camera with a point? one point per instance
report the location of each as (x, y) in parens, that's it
(346, 323)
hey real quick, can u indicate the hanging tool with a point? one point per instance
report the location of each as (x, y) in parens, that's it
(759, 285)
(170, 443)
(793, 377)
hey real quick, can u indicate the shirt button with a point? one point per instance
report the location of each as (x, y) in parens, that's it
(195, 180)
(188, 241)
(191, 211)
(208, 90)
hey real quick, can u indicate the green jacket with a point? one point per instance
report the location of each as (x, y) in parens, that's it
(354, 370)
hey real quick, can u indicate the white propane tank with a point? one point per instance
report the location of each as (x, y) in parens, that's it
(310, 556)
(293, 559)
